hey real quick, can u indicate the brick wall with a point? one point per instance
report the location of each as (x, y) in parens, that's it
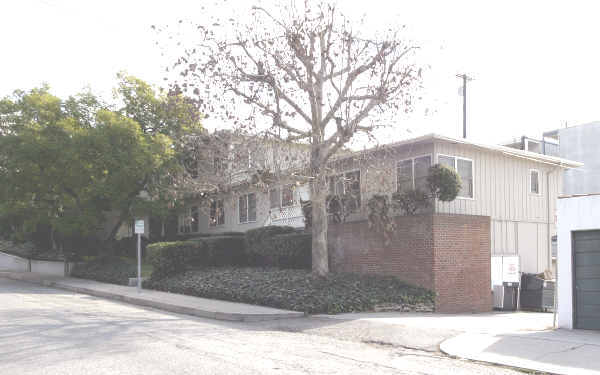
(449, 254)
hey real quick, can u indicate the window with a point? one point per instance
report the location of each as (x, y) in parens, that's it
(218, 165)
(188, 221)
(287, 196)
(247, 208)
(281, 197)
(241, 157)
(412, 173)
(184, 223)
(404, 175)
(275, 198)
(464, 169)
(534, 182)
(217, 213)
(194, 215)
(347, 184)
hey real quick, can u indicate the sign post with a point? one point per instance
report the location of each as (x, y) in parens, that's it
(139, 230)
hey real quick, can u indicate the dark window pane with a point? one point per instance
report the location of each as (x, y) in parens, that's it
(447, 161)
(535, 182)
(252, 207)
(404, 175)
(195, 217)
(422, 165)
(352, 190)
(243, 208)
(213, 214)
(220, 213)
(287, 196)
(465, 171)
(274, 198)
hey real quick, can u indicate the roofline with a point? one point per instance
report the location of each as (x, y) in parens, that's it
(560, 162)
(578, 195)
(540, 158)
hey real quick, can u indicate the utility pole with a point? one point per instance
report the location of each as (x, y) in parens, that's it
(464, 78)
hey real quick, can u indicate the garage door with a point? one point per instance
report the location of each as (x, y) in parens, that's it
(587, 279)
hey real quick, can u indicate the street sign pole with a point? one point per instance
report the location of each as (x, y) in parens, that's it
(139, 230)
(139, 261)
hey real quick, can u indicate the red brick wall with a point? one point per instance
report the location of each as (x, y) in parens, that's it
(449, 254)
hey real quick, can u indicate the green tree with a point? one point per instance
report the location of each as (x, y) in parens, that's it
(161, 114)
(65, 164)
(170, 114)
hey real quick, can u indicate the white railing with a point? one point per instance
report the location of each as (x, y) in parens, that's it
(291, 216)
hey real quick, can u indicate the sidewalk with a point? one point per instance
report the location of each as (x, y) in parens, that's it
(554, 351)
(177, 303)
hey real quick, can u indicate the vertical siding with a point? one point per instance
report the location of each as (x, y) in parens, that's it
(502, 191)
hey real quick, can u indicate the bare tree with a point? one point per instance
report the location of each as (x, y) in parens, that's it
(302, 73)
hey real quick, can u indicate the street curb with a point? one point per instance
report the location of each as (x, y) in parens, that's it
(217, 315)
(450, 353)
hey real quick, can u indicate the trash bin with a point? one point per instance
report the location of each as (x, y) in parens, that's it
(506, 296)
(536, 293)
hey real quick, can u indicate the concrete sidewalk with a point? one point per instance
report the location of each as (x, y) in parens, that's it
(178, 303)
(553, 351)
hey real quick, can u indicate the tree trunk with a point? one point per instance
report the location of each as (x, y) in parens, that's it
(320, 261)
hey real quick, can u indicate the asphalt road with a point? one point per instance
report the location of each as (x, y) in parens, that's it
(50, 331)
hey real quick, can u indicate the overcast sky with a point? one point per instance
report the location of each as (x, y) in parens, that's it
(536, 64)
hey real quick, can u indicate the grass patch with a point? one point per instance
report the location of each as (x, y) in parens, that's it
(114, 270)
(295, 290)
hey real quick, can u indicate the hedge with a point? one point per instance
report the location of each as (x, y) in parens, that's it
(106, 269)
(297, 290)
(169, 258)
(127, 247)
(255, 241)
(292, 250)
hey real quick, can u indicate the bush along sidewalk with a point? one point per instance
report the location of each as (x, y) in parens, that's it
(297, 290)
(112, 270)
(170, 258)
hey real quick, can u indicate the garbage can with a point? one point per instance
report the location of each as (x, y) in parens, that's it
(536, 293)
(506, 296)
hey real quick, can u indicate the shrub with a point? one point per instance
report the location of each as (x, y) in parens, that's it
(127, 246)
(297, 290)
(411, 201)
(233, 234)
(106, 269)
(255, 238)
(443, 182)
(224, 251)
(291, 250)
(170, 258)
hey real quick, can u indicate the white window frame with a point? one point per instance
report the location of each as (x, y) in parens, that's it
(413, 167)
(248, 209)
(539, 175)
(456, 158)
